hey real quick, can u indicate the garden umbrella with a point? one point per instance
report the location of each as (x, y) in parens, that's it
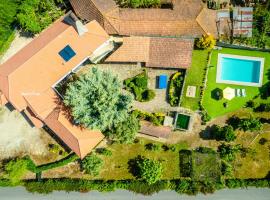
(229, 93)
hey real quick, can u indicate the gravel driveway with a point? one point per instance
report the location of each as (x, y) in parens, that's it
(18, 137)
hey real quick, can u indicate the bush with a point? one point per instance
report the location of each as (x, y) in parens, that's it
(263, 141)
(156, 118)
(92, 164)
(146, 169)
(263, 108)
(226, 169)
(250, 124)
(175, 88)
(225, 133)
(205, 117)
(104, 151)
(206, 42)
(227, 152)
(16, 169)
(148, 95)
(205, 150)
(153, 147)
(138, 85)
(139, 3)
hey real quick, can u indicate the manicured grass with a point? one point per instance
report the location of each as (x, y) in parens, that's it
(116, 166)
(256, 164)
(194, 77)
(214, 107)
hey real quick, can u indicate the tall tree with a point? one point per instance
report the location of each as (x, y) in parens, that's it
(96, 100)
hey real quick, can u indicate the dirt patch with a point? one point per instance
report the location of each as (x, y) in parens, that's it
(18, 137)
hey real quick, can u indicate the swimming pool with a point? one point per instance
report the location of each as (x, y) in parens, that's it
(240, 70)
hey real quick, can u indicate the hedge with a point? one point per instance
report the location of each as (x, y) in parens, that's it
(37, 169)
(181, 186)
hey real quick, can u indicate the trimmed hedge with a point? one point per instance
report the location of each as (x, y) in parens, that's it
(182, 186)
(37, 169)
(175, 88)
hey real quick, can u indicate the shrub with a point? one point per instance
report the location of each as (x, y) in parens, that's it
(146, 169)
(263, 108)
(227, 152)
(205, 117)
(15, 169)
(148, 95)
(104, 151)
(175, 88)
(153, 147)
(205, 150)
(138, 86)
(92, 164)
(139, 3)
(263, 141)
(206, 42)
(96, 100)
(225, 133)
(156, 118)
(226, 169)
(250, 124)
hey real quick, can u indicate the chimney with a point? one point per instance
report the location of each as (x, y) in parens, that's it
(73, 20)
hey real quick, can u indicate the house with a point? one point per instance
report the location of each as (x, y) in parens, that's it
(188, 18)
(154, 52)
(27, 79)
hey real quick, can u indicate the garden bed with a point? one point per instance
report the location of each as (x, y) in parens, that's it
(138, 85)
(182, 122)
(175, 88)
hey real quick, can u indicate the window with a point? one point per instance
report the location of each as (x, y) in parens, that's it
(67, 53)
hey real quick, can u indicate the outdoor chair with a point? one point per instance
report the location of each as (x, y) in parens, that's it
(238, 92)
(243, 92)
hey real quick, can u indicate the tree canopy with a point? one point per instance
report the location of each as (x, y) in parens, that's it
(225, 133)
(125, 132)
(146, 169)
(92, 164)
(96, 100)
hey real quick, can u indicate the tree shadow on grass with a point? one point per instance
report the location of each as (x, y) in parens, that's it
(133, 166)
(265, 89)
(233, 121)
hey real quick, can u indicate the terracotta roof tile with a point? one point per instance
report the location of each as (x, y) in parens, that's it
(179, 21)
(154, 51)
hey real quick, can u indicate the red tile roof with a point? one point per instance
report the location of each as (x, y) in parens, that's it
(27, 80)
(179, 21)
(154, 51)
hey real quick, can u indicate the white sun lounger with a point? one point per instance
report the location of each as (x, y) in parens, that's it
(243, 91)
(238, 92)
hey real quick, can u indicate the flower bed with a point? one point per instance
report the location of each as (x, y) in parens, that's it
(175, 88)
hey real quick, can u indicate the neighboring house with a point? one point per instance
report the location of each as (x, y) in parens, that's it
(27, 79)
(154, 52)
(188, 18)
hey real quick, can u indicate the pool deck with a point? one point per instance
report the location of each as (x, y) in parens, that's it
(218, 76)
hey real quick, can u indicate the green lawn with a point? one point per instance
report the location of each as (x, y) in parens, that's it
(214, 107)
(116, 166)
(194, 77)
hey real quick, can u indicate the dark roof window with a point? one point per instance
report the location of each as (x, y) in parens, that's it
(67, 53)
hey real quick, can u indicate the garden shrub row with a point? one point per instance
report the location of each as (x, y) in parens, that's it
(37, 169)
(182, 186)
(138, 85)
(156, 118)
(175, 88)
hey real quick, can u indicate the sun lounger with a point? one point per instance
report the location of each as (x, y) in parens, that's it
(243, 91)
(238, 92)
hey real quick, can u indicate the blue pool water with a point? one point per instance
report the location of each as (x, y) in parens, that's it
(240, 70)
